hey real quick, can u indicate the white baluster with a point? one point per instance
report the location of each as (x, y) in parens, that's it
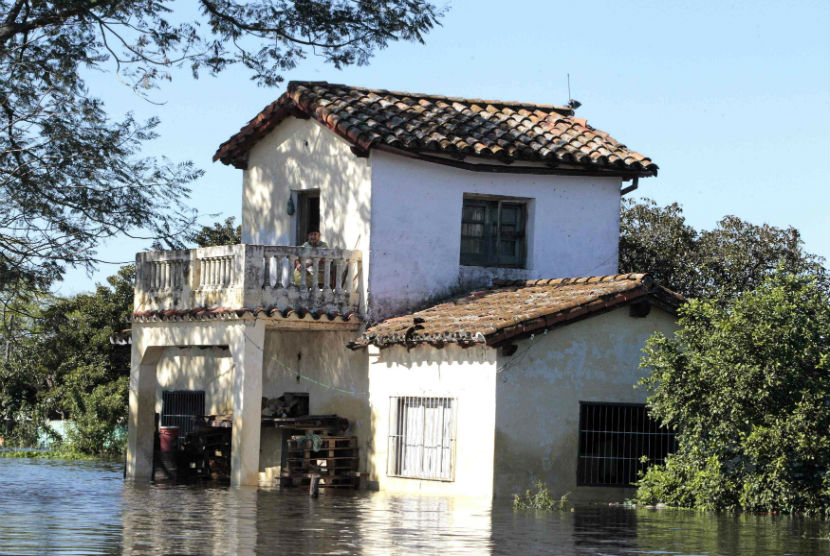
(156, 273)
(350, 280)
(327, 275)
(286, 276)
(315, 273)
(276, 271)
(338, 283)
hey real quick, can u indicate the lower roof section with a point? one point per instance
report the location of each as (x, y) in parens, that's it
(282, 319)
(513, 309)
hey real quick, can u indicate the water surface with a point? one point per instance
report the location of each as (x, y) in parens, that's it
(59, 507)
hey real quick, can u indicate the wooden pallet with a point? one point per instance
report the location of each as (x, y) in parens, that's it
(335, 463)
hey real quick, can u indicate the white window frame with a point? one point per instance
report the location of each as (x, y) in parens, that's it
(421, 443)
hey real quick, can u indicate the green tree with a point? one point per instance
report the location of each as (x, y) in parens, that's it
(70, 175)
(747, 385)
(732, 258)
(221, 233)
(61, 362)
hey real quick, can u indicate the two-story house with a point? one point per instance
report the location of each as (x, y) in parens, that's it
(443, 321)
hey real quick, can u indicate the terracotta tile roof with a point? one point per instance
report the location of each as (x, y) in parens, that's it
(227, 313)
(440, 125)
(516, 308)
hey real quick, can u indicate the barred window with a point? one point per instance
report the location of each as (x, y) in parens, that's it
(613, 438)
(421, 437)
(178, 407)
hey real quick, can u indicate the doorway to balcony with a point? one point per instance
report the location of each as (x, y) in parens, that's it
(308, 214)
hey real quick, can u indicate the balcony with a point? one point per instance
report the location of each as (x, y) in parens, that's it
(249, 276)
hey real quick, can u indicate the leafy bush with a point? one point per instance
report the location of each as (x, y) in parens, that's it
(747, 385)
(542, 499)
(96, 417)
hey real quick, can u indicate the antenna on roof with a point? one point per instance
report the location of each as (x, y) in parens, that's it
(573, 103)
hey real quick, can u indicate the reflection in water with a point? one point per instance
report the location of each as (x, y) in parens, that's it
(52, 507)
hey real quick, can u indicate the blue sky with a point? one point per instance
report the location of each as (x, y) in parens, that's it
(730, 99)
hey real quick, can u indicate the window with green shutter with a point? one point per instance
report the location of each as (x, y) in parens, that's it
(493, 232)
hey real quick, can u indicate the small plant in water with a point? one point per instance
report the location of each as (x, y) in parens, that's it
(541, 499)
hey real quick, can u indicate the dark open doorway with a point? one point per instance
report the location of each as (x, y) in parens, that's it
(308, 214)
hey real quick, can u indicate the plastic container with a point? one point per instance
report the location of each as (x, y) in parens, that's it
(168, 439)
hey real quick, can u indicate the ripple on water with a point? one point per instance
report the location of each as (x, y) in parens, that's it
(58, 507)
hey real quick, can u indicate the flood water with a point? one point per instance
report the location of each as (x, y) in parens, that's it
(58, 507)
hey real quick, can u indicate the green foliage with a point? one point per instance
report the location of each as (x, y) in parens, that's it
(61, 452)
(732, 258)
(70, 175)
(221, 233)
(541, 499)
(96, 416)
(747, 385)
(61, 363)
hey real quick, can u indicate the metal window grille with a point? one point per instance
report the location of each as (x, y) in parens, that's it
(613, 438)
(422, 437)
(178, 407)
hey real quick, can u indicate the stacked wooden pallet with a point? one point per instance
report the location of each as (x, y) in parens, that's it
(334, 461)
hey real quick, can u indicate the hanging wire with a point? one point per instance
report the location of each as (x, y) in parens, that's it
(298, 374)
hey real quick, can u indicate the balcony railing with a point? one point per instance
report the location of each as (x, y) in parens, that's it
(249, 276)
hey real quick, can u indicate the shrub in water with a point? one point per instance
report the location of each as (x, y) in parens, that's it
(542, 499)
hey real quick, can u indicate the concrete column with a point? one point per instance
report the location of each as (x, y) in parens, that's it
(247, 351)
(141, 424)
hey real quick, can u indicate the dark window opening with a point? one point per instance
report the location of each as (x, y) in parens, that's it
(614, 438)
(179, 407)
(493, 232)
(308, 214)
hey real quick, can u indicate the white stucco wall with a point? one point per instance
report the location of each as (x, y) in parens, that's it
(208, 369)
(465, 374)
(573, 228)
(334, 377)
(539, 389)
(303, 155)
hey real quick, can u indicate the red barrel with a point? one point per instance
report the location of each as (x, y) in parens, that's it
(168, 439)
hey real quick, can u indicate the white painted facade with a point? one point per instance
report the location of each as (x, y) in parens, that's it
(518, 415)
(468, 376)
(572, 228)
(405, 215)
(302, 155)
(539, 390)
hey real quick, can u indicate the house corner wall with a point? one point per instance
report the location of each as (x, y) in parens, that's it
(539, 390)
(468, 376)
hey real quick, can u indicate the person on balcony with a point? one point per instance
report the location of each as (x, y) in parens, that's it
(315, 242)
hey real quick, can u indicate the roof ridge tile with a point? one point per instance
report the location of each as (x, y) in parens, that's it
(473, 119)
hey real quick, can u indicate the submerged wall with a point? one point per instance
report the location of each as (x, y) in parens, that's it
(468, 375)
(539, 389)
